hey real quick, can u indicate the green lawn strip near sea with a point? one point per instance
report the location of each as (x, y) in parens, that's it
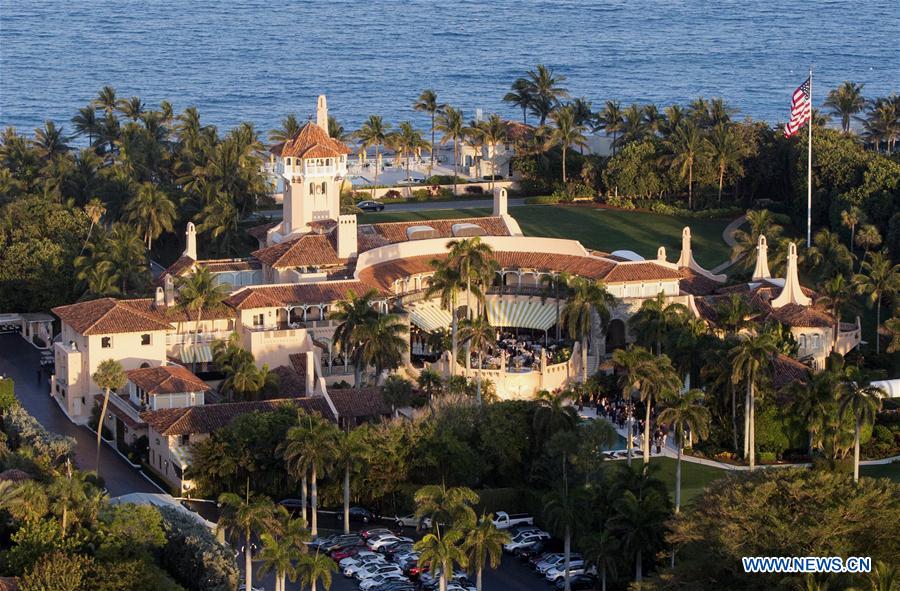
(600, 229)
(694, 477)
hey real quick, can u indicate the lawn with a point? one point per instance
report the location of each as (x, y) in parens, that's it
(600, 229)
(694, 477)
(891, 471)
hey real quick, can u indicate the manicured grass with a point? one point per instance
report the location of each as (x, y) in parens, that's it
(891, 471)
(694, 477)
(600, 229)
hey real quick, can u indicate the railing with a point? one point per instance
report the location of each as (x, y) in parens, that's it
(183, 338)
(530, 290)
(125, 406)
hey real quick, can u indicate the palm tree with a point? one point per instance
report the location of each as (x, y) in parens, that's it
(94, 210)
(290, 128)
(106, 100)
(568, 132)
(447, 282)
(752, 359)
(762, 223)
(350, 450)
(447, 506)
(846, 101)
(665, 383)
(655, 319)
(850, 218)
(85, 122)
(310, 445)
(586, 298)
(829, 255)
(478, 334)
(351, 314)
(374, 132)
(563, 512)
(313, 568)
(520, 96)
(109, 376)
(132, 108)
(278, 554)
(245, 381)
(197, 292)
(26, 501)
(724, 151)
(602, 550)
(336, 130)
(153, 209)
(441, 553)
(685, 413)
(450, 123)
(685, 146)
(868, 238)
(634, 125)
(863, 400)
(471, 258)
(835, 293)
(428, 103)
(67, 493)
(637, 369)
(636, 524)
(381, 343)
(546, 89)
(879, 278)
(50, 141)
(552, 415)
(494, 132)
(246, 515)
(882, 124)
(610, 120)
(409, 141)
(484, 545)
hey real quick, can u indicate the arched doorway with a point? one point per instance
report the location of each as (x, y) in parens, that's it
(615, 336)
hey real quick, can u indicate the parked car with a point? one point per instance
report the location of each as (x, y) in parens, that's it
(554, 560)
(381, 542)
(526, 553)
(412, 521)
(503, 520)
(576, 567)
(375, 569)
(578, 582)
(374, 531)
(525, 540)
(377, 580)
(351, 570)
(361, 514)
(370, 205)
(292, 505)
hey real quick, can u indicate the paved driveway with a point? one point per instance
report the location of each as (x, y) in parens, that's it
(20, 361)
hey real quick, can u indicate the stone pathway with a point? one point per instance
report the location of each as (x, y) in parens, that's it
(728, 237)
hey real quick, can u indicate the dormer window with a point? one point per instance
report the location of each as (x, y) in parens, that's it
(289, 161)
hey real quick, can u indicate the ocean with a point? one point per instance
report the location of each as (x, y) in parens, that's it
(257, 61)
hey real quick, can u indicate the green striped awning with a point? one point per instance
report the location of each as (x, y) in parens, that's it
(196, 353)
(182, 455)
(523, 313)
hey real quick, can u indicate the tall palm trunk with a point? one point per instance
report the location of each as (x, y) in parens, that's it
(877, 324)
(647, 436)
(248, 560)
(734, 428)
(629, 440)
(431, 168)
(453, 337)
(303, 495)
(567, 550)
(564, 174)
(691, 184)
(313, 501)
(747, 420)
(603, 578)
(100, 426)
(377, 165)
(478, 380)
(478, 577)
(455, 167)
(752, 430)
(196, 339)
(721, 180)
(584, 356)
(856, 448)
(347, 499)
(638, 567)
(408, 181)
(88, 239)
(678, 475)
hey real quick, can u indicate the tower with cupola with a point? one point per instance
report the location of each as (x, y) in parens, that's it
(314, 166)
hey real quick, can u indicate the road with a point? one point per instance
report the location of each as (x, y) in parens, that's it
(20, 361)
(422, 206)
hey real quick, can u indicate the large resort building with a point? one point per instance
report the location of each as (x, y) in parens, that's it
(280, 298)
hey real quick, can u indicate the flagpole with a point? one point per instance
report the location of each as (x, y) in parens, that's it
(809, 167)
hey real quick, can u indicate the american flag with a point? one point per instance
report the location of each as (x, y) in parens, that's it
(800, 109)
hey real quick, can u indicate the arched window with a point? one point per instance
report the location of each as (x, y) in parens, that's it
(802, 341)
(816, 342)
(323, 188)
(312, 188)
(288, 161)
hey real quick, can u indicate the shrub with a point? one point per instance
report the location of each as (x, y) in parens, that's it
(767, 457)
(193, 556)
(24, 430)
(445, 193)
(621, 202)
(59, 572)
(475, 190)
(7, 394)
(543, 200)
(562, 196)
(421, 194)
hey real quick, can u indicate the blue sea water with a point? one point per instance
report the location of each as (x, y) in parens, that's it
(254, 60)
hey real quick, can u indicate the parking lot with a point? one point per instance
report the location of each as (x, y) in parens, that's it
(513, 574)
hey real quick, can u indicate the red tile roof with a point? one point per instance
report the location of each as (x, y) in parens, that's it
(224, 265)
(177, 269)
(209, 417)
(371, 236)
(259, 232)
(166, 379)
(110, 316)
(696, 284)
(359, 402)
(306, 250)
(311, 142)
(787, 370)
(267, 296)
(290, 383)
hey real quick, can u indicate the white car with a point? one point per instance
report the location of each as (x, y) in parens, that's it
(369, 583)
(364, 557)
(552, 560)
(525, 541)
(387, 540)
(375, 569)
(576, 567)
(412, 521)
(351, 570)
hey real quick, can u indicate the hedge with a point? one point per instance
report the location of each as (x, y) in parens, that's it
(7, 394)
(193, 556)
(24, 430)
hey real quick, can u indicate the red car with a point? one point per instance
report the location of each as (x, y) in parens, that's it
(374, 531)
(343, 553)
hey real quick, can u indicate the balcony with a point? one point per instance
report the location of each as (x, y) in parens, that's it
(206, 337)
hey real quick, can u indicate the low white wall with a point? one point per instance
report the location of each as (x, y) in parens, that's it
(460, 188)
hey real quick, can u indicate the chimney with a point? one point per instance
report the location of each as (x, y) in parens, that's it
(160, 297)
(500, 201)
(169, 291)
(791, 293)
(661, 254)
(346, 236)
(322, 113)
(687, 257)
(762, 260)
(190, 249)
